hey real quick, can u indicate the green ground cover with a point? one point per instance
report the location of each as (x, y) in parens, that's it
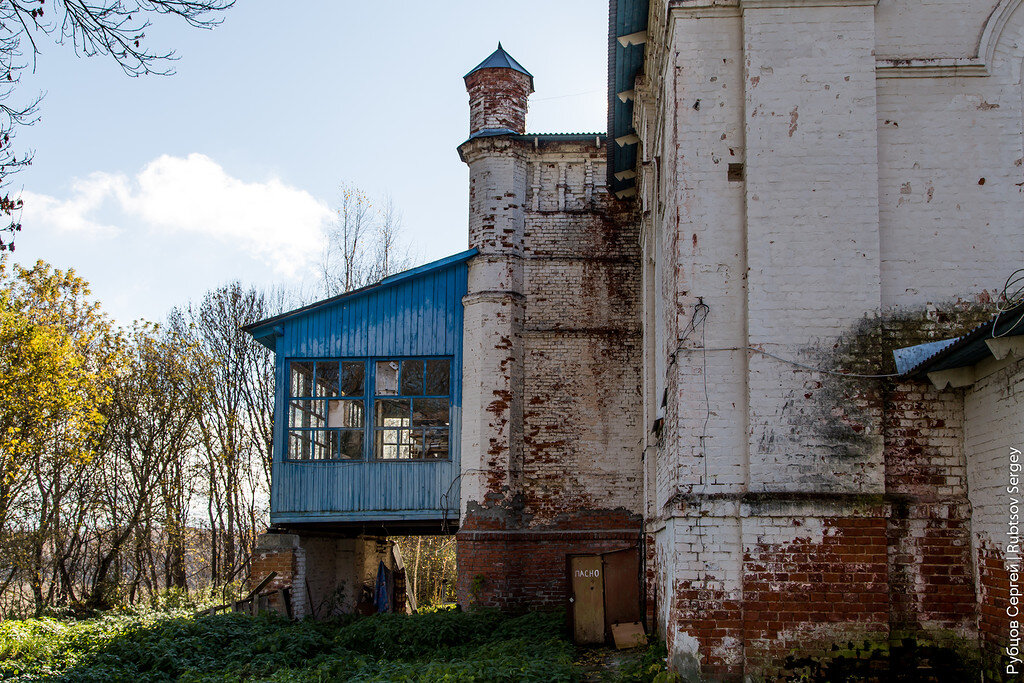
(175, 646)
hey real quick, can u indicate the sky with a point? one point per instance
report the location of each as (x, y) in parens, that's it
(157, 189)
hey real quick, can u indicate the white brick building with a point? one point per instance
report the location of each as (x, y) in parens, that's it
(678, 336)
(811, 184)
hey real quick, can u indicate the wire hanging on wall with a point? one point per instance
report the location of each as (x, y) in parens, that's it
(1011, 297)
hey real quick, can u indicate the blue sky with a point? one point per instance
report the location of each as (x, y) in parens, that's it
(156, 189)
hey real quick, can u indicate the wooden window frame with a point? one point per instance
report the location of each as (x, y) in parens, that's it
(370, 431)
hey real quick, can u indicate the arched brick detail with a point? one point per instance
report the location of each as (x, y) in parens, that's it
(1002, 42)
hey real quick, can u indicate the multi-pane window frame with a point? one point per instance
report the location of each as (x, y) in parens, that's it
(316, 405)
(372, 434)
(428, 413)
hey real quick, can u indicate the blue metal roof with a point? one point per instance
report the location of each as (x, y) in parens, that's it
(499, 59)
(968, 349)
(911, 356)
(491, 132)
(266, 331)
(625, 17)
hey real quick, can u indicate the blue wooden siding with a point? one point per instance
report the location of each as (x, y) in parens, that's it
(415, 315)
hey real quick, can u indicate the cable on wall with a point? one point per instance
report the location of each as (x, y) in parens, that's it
(444, 497)
(1011, 297)
(698, 319)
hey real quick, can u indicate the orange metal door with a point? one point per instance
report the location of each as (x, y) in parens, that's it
(587, 598)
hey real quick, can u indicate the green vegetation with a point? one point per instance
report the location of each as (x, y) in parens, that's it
(163, 646)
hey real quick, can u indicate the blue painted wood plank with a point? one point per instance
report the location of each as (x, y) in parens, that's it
(415, 316)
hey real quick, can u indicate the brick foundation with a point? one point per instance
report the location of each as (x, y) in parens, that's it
(281, 553)
(524, 569)
(327, 575)
(807, 594)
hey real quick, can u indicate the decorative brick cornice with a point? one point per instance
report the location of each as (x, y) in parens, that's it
(705, 8)
(931, 68)
(544, 535)
(493, 298)
(501, 145)
(799, 4)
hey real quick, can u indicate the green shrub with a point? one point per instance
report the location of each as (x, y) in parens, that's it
(648, 665)
(444, 607)
(483, 645)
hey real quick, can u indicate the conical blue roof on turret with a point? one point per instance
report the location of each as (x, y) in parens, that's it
(500, 59)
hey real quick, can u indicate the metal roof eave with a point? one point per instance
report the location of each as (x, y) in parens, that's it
(266, 331)
(971, 348)
(627, 19)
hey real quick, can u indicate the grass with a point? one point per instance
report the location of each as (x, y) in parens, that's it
(175, 646)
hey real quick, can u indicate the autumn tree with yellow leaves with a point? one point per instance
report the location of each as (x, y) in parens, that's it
(57, 354)
(131, 460)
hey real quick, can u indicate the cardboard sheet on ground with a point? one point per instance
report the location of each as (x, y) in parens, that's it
(628, 635)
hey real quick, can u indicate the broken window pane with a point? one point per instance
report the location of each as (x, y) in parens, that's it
(437, 378)
(306, 413)
(387, 377)
(327, 378)
(352, 378)
(299, 445)
(412, 378)
(302, 378)
(351, 447)
(392, 412)
(346, 413)
(436, 444)
(310, 444)
(416, 444)
(323, 425)
(430, 412)
(326, 445)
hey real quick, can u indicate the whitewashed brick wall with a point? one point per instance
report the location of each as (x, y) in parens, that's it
(993, 424)
(912, 29)
(862, 196)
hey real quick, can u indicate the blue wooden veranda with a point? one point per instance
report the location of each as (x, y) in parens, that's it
(367, 407)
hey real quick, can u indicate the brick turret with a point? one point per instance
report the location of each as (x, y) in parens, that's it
(499, 88)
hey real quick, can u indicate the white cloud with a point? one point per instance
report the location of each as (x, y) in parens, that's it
(277, 224)
(73, 215)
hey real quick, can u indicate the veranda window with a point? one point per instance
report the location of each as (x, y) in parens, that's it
(326, 410)
(328, 420)
(411, 409)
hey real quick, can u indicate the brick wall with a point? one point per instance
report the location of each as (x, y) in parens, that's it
(915, 29)
(282, 562)
(993, 597)
(815, 117)
(326, 573)
(994, 424)
(702, 584)
(825, 212)
(553, 466)
(282, 553)
(809, 583)
(523, 569)
(932, 583)
(865, 219)
(497, 99)
(956, 193)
